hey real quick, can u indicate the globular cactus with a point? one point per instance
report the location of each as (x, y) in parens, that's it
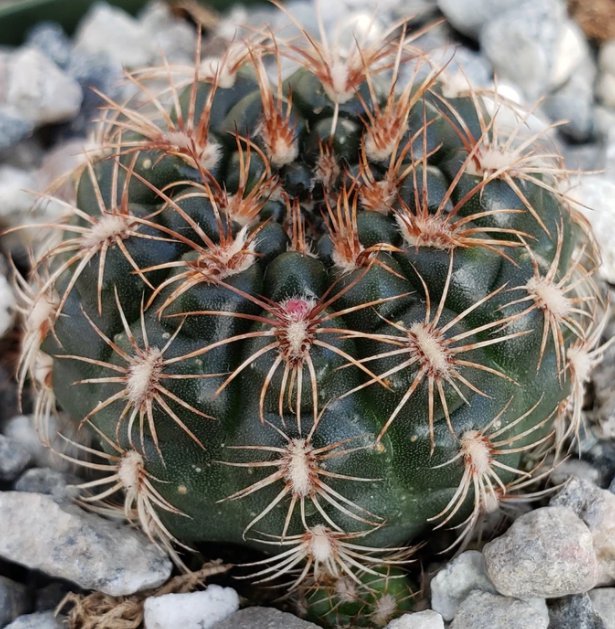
(318, 315)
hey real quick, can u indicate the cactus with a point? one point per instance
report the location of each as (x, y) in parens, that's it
(321, 315)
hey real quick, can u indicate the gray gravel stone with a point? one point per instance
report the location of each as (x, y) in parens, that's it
(574, 103)
(263, 618)
(483, 610)
(39, 90)
(427, 619)
(51, 40)
(546, 553)
(521, 41)
(596, 507)
(13, 129)
(43, 480)
(469, 16)
(68, 543)
(13, 600)
(13, 459)
(453, 584)
(576, 612)
(39, 620)
(603, 600)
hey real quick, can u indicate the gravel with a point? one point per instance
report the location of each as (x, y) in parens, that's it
(451, 586)
(77, 546)
(546, 553)
(194, 610)
(263, 618)
(576, 612)
(483, 610)
(603, 600)
(427, 619)
(596, 507)
(13, 600)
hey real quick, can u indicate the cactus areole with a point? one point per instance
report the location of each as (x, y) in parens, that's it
(320, 314)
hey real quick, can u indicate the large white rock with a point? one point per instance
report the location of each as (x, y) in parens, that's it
(195, 610)
(38, 90)
(65, 542)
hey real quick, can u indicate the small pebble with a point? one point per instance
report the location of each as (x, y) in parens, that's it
(195, 610)
(483, 610)
(14, 458)
(521, 42)
(546, 553)
(603, 600)
(13, 600)
(427, 619)
(38, 620)
(111, 32)
(452, 585)
(8, 306)
(469, 16)
(39, 90)
(263, 618)
(43, 480)
(596, 507)
(13, 129)
(52, 41)
(576, 611)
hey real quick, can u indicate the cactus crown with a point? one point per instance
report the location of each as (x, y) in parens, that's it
(317, 314)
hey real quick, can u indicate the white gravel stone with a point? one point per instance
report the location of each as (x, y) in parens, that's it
(38, 90)
(595, 194)
(603, 600)
(15, 200)
(453, 583)
(21, 429)
(578, 468)
(38, 620)
(483, 610)
(67, 543)
(169, 37)
(7, 306)
(427, 619)
(196, 610)
(263, 618)
(571, 51)
(110, 31)
(469, 16)
(521, 43)
(596, 507)
(546, 553)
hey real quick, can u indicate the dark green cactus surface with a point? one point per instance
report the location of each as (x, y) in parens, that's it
(320, 316)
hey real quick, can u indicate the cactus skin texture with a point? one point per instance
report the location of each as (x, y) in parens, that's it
(320, 316)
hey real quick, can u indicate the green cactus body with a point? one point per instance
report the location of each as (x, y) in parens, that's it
(319, 318)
